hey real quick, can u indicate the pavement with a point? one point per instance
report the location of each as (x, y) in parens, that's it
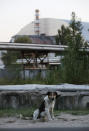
(46, 129)
(62, 121)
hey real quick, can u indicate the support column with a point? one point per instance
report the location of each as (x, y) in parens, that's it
(22, 54)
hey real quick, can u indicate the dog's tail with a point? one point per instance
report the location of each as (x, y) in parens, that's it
(35, 114)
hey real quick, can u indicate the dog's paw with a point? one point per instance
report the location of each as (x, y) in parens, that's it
(50, 119)
(53, 117)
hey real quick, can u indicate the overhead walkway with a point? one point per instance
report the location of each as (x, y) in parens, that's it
(33, 53)
(34, 47)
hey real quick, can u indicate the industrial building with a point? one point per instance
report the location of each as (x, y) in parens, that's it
(47, 27)
(43, 31)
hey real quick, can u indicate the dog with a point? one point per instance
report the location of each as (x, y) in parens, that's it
(46, 108)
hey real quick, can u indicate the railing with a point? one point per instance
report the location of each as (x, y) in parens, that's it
(39, 47)
(24, 46)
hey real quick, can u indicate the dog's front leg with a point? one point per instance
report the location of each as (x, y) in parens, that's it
(52, 114)
(35, 114)
(48, 114)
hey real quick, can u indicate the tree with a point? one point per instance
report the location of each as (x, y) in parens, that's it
(61, 38)
(10, 58)
(23, 39)
(74, 65)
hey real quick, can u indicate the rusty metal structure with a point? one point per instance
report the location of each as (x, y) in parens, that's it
(35, 56)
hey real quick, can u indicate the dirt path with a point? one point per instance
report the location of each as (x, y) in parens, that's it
(64, 120)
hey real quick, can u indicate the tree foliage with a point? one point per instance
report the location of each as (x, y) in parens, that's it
(23, 39)
(62, 36)
(9, 58)
(74, 65)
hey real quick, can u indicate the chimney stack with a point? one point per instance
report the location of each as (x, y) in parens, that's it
(37, 24)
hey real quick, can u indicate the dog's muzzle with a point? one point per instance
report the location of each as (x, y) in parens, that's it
(52, 99)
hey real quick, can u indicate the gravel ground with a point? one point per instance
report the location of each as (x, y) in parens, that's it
(64, 120)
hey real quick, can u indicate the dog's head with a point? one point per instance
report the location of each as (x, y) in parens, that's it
(52, 95)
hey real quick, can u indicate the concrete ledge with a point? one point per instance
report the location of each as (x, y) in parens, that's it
(34, 87)
(31, 95)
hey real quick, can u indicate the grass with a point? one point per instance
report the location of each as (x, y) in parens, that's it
(73, 112)
(15, 112)
(20, 81)
(27, 112)
(52, 77)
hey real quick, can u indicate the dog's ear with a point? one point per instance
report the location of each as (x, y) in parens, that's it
(58, 93)
(55, 93)
(48, 93)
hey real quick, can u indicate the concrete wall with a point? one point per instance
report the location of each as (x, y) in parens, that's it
(20, 99)
(27, 74)
(34, 73)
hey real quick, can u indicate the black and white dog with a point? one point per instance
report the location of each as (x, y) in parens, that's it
(46, 108)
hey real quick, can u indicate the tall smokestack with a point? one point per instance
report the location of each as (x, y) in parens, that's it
(36, 24)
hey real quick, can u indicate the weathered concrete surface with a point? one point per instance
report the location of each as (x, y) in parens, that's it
(38, 87)
(18, 99)
(19, 96)
(62, 120)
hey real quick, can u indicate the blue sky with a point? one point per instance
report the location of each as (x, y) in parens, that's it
(14, 14)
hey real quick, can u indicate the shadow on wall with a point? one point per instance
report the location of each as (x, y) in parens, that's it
(87, 105)
(84, 101)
